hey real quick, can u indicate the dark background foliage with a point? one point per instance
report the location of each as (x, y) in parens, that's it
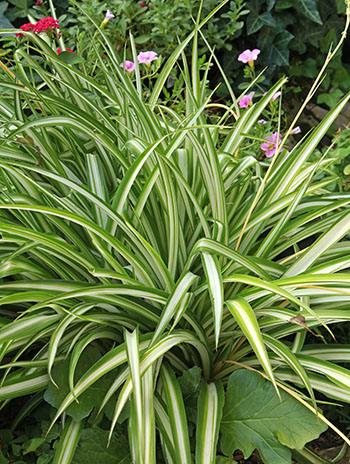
(293, 35)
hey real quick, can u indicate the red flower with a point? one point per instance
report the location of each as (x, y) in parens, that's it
(46, 24)
(26, 27)
(67, 50)
(39, 3)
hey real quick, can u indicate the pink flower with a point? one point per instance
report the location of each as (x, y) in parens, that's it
(143, 4)
(109, 15)
(128, 65)
(249, 56)
(147, 57)
(39, 3)
(262, 121)
(247, 100)
(276, 95)
(26, 27)
(67, 50)
(270, 146)
(296, 130)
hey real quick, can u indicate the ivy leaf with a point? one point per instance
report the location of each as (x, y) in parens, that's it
(92, 448)
(256, 21)
(45, 459)
(330, 98)
(278, 53)
(284, 4)
(32, 445)
(306, 68)
(4, 22)
(254, 417)
(308, 8)
(270, 4)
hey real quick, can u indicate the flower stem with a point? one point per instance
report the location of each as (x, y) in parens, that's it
(330, 56)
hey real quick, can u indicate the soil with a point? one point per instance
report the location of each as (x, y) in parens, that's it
(326, 446)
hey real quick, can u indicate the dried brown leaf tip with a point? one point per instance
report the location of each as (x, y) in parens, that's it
(300, 320)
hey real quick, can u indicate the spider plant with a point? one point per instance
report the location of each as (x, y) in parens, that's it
(124, 231)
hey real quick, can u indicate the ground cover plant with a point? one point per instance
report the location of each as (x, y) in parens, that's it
(157, 281)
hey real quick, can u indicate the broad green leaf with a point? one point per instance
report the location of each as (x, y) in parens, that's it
(32, 445)
(330, 98)
(254, 417)
(92, 448)
(89, 399)
(59, 332)
(70, 57)
(190, 382)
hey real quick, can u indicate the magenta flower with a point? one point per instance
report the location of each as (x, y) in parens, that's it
(129, 66)
(249, 56)
(276, 95)
(246, 101)
(143, 4)
(109, 15)
(270, 146)
(147, 57)
(296, 130)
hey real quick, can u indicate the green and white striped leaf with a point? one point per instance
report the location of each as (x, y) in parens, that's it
(210, 405)
(68, 442)
(214, 279)
(177, 415)
(246, 319)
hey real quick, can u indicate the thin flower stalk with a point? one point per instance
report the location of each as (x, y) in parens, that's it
(330, 56)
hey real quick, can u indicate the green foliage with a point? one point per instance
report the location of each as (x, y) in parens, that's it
(59, 387)
(288, 33)
(261, 420)
(147, 256)
(339, 150)
(31, 442)
(151, 24)
(4, 22)
(93, 449)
